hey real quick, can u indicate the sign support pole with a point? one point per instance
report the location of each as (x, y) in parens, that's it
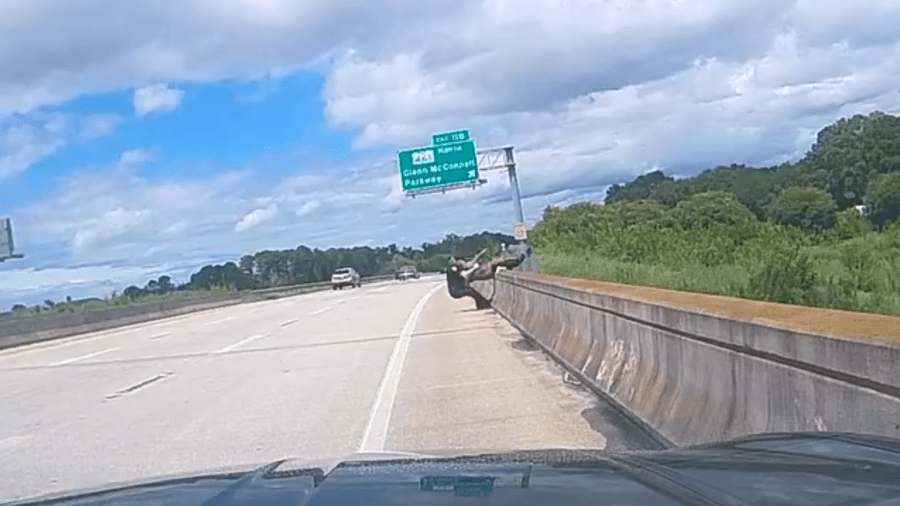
(514, 184)
(530, 263)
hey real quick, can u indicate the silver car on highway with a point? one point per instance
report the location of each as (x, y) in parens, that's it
(345, 276)
(404, 273)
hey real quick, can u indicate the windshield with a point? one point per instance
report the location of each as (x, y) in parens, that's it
(241, 231)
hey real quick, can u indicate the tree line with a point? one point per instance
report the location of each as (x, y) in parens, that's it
(274, 268)
(821, 231)
(854, 162)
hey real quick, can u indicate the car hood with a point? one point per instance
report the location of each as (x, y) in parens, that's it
(797, 468)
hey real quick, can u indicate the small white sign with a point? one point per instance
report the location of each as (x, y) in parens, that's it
(420, 157)
(521, 231)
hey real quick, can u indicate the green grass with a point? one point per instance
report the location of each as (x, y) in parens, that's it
(721, 280)
(834, 285)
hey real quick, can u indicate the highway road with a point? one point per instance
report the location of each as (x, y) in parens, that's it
(389, 366)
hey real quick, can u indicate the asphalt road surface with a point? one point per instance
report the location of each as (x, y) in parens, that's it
(389, 366)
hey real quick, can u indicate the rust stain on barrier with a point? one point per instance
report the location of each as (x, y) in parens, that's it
(656, 439)
(827, 322)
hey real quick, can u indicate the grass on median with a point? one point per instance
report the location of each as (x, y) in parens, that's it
(832, 285)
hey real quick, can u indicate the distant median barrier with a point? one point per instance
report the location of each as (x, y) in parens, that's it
(379, 278)
(282, 291)
(33, 329)
(693, 368)
(19, 331)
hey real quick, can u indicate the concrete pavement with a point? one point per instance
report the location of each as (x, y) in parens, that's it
(470, 384)
(392, 366)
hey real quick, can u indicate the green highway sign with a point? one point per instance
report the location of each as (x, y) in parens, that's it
(438, 165)
(450, 137)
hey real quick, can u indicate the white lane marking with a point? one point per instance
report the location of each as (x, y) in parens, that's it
(376, 431)
(240, 343)
(226, 319)
(290, 322)
(13, 441)
(383, 288)
(160, 336)
(141, 384)
(89, 355)
(320, 311)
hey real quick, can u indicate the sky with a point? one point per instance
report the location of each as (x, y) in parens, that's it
(145, 137)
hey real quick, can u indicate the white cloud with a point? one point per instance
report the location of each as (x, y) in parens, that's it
(175, 230)
(133, 157)
(98, 125)
(307, 208)
(22, 144)
(178, 40)
(533, 56)
(256, 217)
(157, 98)
(704, 92)
(113, 224)
(26, 139)
(115, 216)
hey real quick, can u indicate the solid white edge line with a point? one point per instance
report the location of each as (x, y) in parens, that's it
(375, 435)
(89, 355)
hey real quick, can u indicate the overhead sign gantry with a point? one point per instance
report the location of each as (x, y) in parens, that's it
(452, 163)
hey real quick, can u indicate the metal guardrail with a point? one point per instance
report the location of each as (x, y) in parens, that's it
(289, 288)
(314, 286)
(381, 277)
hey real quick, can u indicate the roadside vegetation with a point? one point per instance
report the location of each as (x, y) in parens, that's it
(791, 234)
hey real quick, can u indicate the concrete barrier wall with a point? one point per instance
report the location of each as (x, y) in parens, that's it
(694, 375)
(27, 330)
